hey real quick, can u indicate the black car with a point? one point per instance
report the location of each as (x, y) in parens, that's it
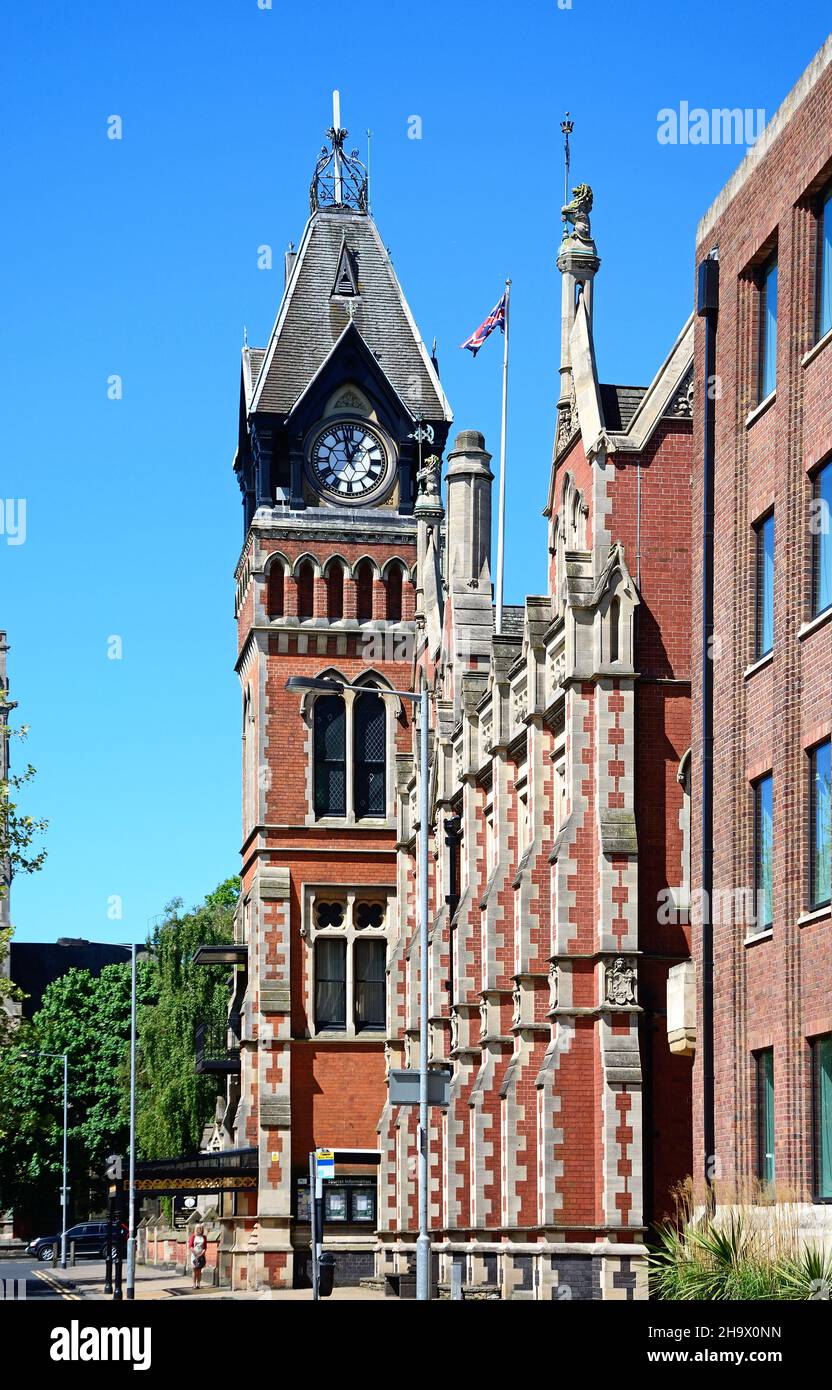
(90, 1239)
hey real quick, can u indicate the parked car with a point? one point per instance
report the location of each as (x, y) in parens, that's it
(90, 1239)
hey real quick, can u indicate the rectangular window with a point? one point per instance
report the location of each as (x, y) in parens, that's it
(821, 528)
(768, 329)
(764, 637)
(825, 267)
(822, 1069)
(765, 1116)
(820, 829)
(763, 849)
(330, 983)
(370, 961)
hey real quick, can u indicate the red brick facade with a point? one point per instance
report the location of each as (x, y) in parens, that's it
(771, 981)
(559, 800)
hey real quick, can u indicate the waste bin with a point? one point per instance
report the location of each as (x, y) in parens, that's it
(326, 1274)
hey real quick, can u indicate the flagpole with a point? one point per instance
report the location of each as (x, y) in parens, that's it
(501, 515)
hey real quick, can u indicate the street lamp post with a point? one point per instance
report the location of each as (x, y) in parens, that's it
(64, 1192)
(420, 698)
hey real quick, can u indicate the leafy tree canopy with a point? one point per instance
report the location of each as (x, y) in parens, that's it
(174, 1103)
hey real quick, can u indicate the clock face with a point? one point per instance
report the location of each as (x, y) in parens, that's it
(348, 460)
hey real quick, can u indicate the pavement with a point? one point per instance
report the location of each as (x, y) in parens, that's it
(86, 1280)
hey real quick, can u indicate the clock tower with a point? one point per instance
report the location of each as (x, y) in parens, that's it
(336, 411)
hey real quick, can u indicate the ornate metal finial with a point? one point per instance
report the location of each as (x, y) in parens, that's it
(340, 179)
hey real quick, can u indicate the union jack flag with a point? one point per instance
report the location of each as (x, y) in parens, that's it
(496, 319)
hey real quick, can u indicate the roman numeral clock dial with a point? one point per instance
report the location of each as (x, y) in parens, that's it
(349, 461)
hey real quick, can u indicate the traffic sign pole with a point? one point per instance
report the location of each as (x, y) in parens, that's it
(313, 1224)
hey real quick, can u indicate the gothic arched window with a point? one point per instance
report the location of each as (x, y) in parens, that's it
(615, 628)
(370, 736)
(330, 756)
(275, 589)
(394, 594)
(335, 592)
(306, 590)
(350, 751)
(364, 596)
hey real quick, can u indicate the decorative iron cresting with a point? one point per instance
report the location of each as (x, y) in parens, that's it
(340, 179)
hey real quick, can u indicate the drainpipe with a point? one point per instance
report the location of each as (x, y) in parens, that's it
(708, 308)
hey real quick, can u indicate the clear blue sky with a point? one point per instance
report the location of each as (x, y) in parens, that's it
(138, 257)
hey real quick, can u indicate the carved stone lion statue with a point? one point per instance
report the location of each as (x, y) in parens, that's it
(577, 212)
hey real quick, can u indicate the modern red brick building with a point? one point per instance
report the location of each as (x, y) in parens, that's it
(559, 796)
(763, 432)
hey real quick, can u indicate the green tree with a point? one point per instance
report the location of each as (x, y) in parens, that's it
(9, 992)
(174, 1102)
(88, 1018)
(18, 832)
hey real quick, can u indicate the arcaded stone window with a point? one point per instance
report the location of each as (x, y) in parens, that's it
(335, 591)
(394, 594)
(276, 589)
(306, 590)
(364, 591)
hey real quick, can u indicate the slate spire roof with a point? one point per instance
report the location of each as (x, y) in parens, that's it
(313, 316)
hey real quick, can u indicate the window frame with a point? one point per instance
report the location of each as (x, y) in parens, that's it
(764, 1089)
(361, 943)
(818, 1195)
(761, 608)
(351, 814)
(816, 903)
(319, 763)
(822, 473)
(769, 268)
(330, 939)
(824, 266)
(759, 885)
(362, 766)
(348, 930)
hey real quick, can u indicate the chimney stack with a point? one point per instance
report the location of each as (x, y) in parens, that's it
(468, 529)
